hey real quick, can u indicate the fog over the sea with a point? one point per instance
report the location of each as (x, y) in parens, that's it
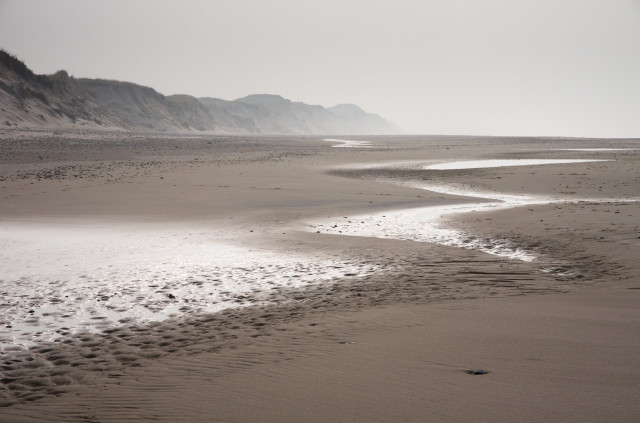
(496, 67)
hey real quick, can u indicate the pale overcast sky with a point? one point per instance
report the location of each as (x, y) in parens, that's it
(496, 67)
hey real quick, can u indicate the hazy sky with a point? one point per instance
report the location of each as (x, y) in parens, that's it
(498, 67)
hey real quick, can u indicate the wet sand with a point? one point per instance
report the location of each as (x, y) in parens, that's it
(393, 335)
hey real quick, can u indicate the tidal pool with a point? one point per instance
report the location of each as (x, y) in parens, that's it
(479, 164)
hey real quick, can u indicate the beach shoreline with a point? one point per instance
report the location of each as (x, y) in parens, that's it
(389, 343)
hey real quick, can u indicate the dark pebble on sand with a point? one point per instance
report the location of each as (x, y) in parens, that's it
(477, 372)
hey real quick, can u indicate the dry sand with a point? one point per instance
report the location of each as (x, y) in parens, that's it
(557, 336)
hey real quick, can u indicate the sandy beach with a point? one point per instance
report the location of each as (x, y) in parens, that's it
(195, 278)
